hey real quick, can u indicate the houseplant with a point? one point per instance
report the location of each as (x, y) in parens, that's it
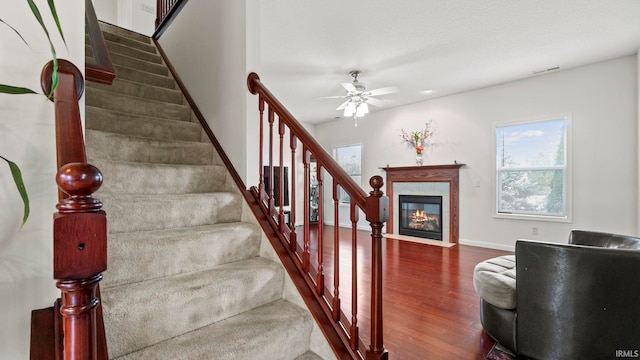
(417, 140)
(18, 90)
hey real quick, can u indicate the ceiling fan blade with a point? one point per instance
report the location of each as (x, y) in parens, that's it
(383, 91)
(349, 87)
(343, 105)
(334, 97)
(376, 102)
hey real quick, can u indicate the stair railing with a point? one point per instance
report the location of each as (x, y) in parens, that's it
(273, 126)
(73, 329)
(102, 71)
(166, 10)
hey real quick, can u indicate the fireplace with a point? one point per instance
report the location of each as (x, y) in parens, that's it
(420, 216)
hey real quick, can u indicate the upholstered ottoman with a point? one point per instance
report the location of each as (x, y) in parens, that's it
(495, 282)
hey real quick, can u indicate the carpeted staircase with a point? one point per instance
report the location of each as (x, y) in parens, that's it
(185, 278)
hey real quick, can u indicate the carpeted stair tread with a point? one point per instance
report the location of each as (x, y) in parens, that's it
(275, 331)
(116, 48)
(144, 91)
(130, 62)
(171, 306)
(115, 30)
(144, 77)
(145, 178)
(118, 147)
(129, 42)
(193, 248)
(137, 106)
(143, 126)
(167, 211)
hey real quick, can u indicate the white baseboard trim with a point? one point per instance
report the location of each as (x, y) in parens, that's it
(365, 228)
(483, 244)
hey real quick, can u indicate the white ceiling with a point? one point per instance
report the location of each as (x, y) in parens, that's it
(308, 47)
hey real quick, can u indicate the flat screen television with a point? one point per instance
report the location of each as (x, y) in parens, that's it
(276, 184)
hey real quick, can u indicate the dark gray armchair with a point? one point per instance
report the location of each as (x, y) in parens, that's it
(573, 301)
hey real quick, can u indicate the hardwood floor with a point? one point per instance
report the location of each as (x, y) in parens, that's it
(431, 310)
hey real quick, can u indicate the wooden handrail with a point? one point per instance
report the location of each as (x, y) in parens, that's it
(278, 121)
(166, 11)
(349, 185)
(102, 71)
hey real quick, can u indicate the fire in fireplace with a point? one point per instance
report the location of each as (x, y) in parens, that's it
(420, 216)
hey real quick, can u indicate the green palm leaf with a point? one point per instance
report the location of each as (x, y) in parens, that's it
(16, 31)
(54, 75)
(17, 178)
(15, 90)
(54, 13)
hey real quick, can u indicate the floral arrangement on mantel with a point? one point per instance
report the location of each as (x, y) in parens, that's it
(418, 140)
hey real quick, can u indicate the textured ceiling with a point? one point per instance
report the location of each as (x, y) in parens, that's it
(308, 47)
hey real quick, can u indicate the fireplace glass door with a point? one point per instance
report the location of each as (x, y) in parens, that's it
(420, 216)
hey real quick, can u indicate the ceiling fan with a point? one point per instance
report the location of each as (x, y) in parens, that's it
(358, 98)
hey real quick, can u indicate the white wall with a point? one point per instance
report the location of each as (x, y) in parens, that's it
(106, 10)
(143, 16)
(603, 100)
(27, 137)
(135, 15)
(207, 46)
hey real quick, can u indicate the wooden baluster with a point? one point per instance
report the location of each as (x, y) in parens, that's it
(320, 275)
(306, 226)
(271, 187)
(261, 189)
(293, 144)
(282, 224)
(336, 253)
(375, 207)
(353, 330)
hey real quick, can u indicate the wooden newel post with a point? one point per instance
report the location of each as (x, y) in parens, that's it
(80, 225)
(80, 257)
(377, 214)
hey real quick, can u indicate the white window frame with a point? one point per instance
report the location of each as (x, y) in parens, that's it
(567, 217)
(342, 194)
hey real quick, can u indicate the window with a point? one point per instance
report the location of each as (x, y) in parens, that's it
(532, 177)
(349, 157)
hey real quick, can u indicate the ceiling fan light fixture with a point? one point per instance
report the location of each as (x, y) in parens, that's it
(357, 99)
(362, 109)
(350, 109)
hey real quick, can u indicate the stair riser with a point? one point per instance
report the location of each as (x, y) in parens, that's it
(132, 178)
(142, 91)
(125, 41)
(144, 77)
(129, 62)
(191, 250)
(125, 33)
(124, 148)
(137, 106)
(276, 331)
(115, 48)
(137, 213)
(120, 123)
(155, 129)
(170, 307)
